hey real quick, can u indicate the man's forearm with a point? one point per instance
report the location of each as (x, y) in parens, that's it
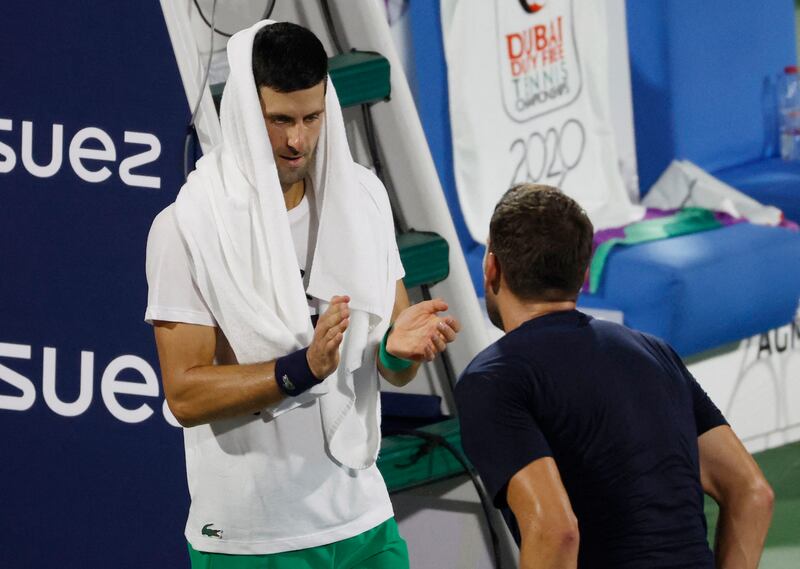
(742, 529)
(398, 378)
(209, 393)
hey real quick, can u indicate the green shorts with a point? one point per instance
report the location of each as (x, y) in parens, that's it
(378, 548)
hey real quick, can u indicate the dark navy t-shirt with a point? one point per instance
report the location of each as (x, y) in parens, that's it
(620, 415)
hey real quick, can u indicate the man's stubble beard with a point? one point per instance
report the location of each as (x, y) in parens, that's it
(287, 179)
(494, 312)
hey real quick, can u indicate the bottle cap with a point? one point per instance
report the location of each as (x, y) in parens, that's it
(789, 69)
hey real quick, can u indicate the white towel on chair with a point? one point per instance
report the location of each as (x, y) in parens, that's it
(233, 219)
(684, 184)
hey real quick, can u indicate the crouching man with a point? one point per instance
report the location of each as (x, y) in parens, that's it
(593, 439)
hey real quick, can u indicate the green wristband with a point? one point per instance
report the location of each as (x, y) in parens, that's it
(389, 361)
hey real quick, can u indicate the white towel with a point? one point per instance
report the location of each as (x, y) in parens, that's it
(685, 184)
(233, 219)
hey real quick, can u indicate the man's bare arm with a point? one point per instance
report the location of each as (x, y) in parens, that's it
(198, 391)
(547, 524)
(419, 334)
(399, 378)
(731, 476)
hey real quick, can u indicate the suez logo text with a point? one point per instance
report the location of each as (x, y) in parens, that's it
(88, 149)
(112, 384)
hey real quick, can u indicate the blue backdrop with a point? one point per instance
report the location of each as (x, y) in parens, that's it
(92, 120)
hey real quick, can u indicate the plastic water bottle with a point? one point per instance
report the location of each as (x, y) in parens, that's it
(789, 113)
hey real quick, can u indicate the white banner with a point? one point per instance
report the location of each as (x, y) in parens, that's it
(529, 102)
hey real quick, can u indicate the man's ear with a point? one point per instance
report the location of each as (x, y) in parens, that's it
(492, 272)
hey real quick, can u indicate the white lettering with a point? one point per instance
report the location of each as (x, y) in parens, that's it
(56, 151)
(146, 157)
(84, 399)
(110, 386)
(77, 153)
(24, 401)
(9, 158)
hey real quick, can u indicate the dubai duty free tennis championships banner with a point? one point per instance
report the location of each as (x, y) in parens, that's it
(528, 85)
(92, 121)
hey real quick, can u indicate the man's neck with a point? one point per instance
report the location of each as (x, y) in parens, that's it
(520, 312)
(293, 195)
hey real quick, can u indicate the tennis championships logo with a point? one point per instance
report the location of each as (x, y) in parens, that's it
(539, 65)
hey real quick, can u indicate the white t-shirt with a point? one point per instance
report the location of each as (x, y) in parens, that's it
(269, 486)
(304, 241)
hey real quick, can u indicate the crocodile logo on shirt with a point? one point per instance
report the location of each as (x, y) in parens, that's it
(208, 532)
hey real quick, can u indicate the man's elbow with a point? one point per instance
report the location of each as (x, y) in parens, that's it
(188, 421)
(183, 411)
(754, 497)
(182, 414)
(762, 497)
(561, 537)
(568, 537)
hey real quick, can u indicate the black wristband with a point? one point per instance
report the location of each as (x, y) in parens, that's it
(293, 373)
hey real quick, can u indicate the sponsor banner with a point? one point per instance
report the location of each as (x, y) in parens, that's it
(757, 386)
(92, 123)
(528, 87)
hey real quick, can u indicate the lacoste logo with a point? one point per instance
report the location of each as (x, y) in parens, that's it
(208, 532)
(287, 383)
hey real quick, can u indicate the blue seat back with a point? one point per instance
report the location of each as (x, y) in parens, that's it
(703, 77)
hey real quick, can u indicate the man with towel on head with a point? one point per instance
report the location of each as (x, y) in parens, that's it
(282, 416)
